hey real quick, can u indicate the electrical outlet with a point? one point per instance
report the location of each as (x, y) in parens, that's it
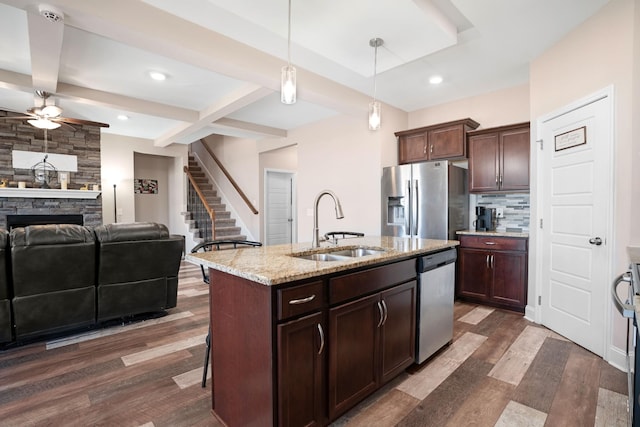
(500, 212)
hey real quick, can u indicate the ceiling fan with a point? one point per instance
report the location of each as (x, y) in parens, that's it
(49, 116)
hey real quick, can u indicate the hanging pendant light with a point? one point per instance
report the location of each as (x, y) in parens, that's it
(374, 106)
(288, 75)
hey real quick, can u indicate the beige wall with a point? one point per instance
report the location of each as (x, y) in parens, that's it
(152, 207)
(597, 54)
(117, 160)
(498, 108)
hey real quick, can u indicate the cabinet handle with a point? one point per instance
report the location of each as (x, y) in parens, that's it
(380, 310)
(302, 300)
(431, 149)
(500, 180)
(321, 333)
(492, 261)
(424, 149)
(496, 179)
(386, 312)
(489, 243)
(488, 261)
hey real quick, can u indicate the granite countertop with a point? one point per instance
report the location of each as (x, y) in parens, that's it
(494, 233)
(272, 265)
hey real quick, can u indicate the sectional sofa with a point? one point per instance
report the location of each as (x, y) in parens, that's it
(63, 277)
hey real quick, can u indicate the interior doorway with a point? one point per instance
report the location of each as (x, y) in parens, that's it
(279, 207)
(575, 188)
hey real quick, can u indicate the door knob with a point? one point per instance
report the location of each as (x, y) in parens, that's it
(595, 241)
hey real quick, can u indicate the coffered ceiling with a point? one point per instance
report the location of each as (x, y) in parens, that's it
(222, 58)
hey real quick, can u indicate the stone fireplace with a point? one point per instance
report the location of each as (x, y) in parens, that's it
(82, 141)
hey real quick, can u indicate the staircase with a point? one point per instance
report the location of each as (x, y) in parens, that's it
(225, 226)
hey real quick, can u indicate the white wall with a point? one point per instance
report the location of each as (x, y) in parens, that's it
(597, 54)
(117, 160)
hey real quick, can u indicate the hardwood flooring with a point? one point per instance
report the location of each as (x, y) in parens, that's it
(500, 370)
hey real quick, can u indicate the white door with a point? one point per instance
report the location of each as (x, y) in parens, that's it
(279, 197)
(576, 194)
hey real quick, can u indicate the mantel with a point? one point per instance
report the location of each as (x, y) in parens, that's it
(47, 193)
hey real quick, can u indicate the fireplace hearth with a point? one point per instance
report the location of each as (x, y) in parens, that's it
(14, 221)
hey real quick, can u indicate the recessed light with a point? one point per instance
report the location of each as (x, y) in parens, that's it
(123, 117)
(157, 75)
(435, 80)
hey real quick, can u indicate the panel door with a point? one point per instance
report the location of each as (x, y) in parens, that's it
(576, 245)
(353, 353)
(398, 329)
(301, 372)
(412, 148)
(279, 218)
(509, 278)
(474, 275)
(484, 163)
(447, 143)
(514, 160)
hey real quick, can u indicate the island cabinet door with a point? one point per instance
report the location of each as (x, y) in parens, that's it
(398, 329)
(302, 349)
(353, 353)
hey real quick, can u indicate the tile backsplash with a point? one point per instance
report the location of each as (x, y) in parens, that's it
(516, 208)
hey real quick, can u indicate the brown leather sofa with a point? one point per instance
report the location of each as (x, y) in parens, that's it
(138, 267)
(5, 296)
(66, 277)
(53, 278)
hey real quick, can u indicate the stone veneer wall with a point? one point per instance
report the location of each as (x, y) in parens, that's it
(83, 142)
(516, 207)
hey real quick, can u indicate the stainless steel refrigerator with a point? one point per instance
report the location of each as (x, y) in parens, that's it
(429, 200)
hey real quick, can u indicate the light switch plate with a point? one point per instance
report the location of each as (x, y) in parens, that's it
(500, 212)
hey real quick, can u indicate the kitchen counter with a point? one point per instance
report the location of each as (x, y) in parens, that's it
(494, 233)
(272, 265)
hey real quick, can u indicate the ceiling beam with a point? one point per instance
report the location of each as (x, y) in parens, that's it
(45, 46)
(266, 131)
(127, 103)
(234, 101)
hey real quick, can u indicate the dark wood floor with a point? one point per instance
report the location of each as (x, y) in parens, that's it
(500, 370)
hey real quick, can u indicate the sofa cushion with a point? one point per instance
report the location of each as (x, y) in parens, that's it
(123, 232)
(48, 258)
(54, 311)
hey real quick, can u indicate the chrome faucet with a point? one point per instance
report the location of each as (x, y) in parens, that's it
(339, 215)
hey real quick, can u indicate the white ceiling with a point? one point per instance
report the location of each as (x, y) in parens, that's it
(223, 58)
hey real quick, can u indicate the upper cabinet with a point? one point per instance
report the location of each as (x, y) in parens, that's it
(441, 141)
(499, 159)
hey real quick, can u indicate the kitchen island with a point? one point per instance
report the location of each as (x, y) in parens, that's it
(298, 341)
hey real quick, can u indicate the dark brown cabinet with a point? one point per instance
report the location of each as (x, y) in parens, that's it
(499, 159)
(493, 270)
(441, 141)
(372, 341)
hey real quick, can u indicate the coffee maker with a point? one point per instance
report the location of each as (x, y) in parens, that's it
(485, 219)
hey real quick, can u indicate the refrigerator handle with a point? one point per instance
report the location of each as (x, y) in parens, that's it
(417, 205)
(409, 217)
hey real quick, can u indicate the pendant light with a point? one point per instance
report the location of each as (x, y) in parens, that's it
(374, 106)
(288, 75)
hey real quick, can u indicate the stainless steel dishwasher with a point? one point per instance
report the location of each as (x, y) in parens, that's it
(436, 288)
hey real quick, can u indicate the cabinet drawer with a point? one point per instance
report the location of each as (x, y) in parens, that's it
(300, 299)
(494, 243)
(358, 284)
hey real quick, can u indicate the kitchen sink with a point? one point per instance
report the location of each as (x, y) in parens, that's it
(338, 254)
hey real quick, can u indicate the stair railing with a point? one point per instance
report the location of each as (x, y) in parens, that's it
(230, 178)
(205, 216)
